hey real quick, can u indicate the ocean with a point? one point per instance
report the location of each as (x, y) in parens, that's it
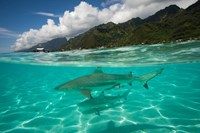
(29, 102)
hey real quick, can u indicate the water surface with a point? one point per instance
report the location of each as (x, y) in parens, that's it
(29, 103)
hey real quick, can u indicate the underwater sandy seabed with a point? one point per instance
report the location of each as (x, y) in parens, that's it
(29, 103)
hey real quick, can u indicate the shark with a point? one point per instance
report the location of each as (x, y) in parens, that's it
(102, 99)
(102, 102)
(98, 80)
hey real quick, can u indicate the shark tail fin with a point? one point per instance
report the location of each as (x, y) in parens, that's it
(145, 78)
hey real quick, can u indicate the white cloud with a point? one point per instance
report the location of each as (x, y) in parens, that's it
(47, 14)
(5, 33)
(86, 16)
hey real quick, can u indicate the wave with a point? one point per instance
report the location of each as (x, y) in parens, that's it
(140, 55)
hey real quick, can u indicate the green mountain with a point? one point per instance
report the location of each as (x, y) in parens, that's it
(169, 24)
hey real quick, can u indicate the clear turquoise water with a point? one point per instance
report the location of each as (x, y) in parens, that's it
(29, 103)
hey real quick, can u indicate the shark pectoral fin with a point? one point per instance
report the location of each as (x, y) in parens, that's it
(87, 93)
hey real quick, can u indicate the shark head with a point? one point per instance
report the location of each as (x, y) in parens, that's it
(58, 88)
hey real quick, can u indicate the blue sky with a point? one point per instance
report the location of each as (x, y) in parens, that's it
(42, 20)
(18, 16)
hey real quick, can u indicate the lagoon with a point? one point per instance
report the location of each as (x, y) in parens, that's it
(29, 102)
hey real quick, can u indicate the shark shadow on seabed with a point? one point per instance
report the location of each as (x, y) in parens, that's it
(112, 128)
(99, 109)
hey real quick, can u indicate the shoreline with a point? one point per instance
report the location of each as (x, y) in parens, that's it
(163, 42)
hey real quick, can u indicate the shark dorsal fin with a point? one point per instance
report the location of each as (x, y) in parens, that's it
(130, 74)
(98, 70)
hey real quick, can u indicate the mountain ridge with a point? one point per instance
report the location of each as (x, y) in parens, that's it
(167, 25)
